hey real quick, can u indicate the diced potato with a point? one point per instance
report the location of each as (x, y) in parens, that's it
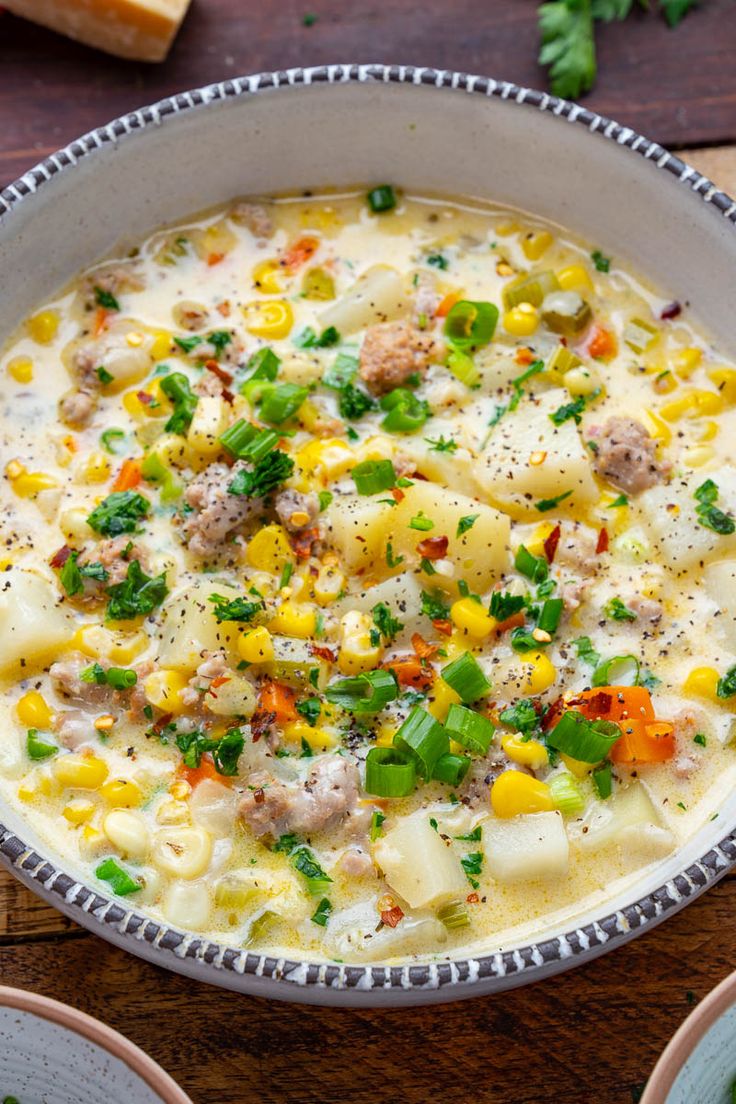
(450, 469)
(418, 865)
(213, 806)
(479, 555)
(293, 660)
(358, 528)
(188, 626)
(505, 473)
(378, 295)
(526, 848)
(401, 593)
(720, 583)
(33, 623)
(611, 821)
(208, 422)
(679, 539)
(187, 905)
(234, 698)
(352, 934)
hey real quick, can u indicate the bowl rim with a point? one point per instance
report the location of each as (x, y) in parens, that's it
(326, 982)
(99, 1033)
(683, 1043)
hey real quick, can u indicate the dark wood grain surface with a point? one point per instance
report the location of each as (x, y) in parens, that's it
(678, 87)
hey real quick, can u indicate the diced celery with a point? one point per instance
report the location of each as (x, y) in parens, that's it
(566, 312)
(639, 334)
(531, 288)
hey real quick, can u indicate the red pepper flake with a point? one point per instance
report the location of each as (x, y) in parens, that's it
(228, 395)
(302, 543)
(442, 626)
(602, 545)
(433, 548)
(144, 397)
(224, 308)
(423, 649)
(472, 898)
(260, 723)
(397, 494)
(391, 917)
(215, 258)
(59, 558)
(217, 683)
(672, 310)
(550, 544)
(159, 725)
(219, 371)
(323, 653)
(259, 796)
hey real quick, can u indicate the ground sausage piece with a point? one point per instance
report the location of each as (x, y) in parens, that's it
(77, 408)
(194, 693)
(356, 863)
(296, 510)
(329, 796)
(75, 729)
(646, 609)
(255, 217)
(216, 512)
(626, 455)
(393, 351)
(576, 550)
(115, 280)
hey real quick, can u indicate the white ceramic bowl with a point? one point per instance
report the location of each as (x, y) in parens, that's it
(51, 1053)
(426, 131)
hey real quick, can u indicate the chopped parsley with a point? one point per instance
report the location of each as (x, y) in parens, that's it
(726, 686)
(601, 262)
(309, 709)
(437, 260)
(433, 607)
(466, 523)
(137, 595)
(522, 717)
(505, 605)
(188, 343)
(442, 444)
(119, 513)
(266, 475)
(700, 739)
(546, 504)
(388, 626)
(709, 515)
(474, 836)
(177, 388)
(622, 500)
(236, 609)
(322, 913)
(106, 299)
(617, 611)
(354, 402)
(584, 647)
(569, 410)
(225, 752)
(308, 339)
(72, 575)
(103, 375)
(472, 864)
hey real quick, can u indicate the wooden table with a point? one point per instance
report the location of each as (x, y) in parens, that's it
(587, 1037)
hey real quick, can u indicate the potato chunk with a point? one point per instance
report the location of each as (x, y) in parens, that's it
(376, 296)
(720, 583)
(188, 626)
(677, 536)
(505, 472)
(418, 865)
(33, 623)
(628, 819)
(526, 848)
(358, 527)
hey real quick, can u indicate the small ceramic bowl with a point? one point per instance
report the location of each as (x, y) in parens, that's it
(699, 1063)
(53, 1054)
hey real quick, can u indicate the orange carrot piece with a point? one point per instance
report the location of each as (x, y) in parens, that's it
(100, 322)
(129, 476)
(644, 743)
(447, 304)
(277, 698)
(411, 672)
(205, 771)
(422, 648)
(602, 344)
(299, 253)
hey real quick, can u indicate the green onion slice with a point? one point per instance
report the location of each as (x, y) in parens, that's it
(39, 745)
(373, 476)
(381, 198)
(566, 794)
(603, 781)
(470, 729)
(588, 741)
(388, 774)
(471, 324)
(454, 915)
(535, 568)
(463, 368)
(119, 879)
(466, 678)
(422, 739)
(281, 402)
(550, 614)
(451, 768)
(367, 693)
(620, 670)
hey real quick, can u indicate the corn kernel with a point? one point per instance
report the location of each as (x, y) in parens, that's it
(28, 791)
(582, 380)
(539, 673)
(30, 484)
(134, 338)
(574, 277)
(78, 810)
(522, 320)
(43, 326)
(127, 832)
(709, 432)
(256, 646)
(173, 812)
(657, 427)
(33, 711)
(330, 458)
(265, 277)
(271, 319)
(725, 381)
(535, 544)
(471, 617)
(21, 369)
(506, 228)
(357, 653)
(385, 735)
(80, 772)
(96, 468)
(514, 793)
(162, 344)
(536, 243)
(442, 696)
(163, 690)
(702, 682)
(180, 789)
(693, 403)
(576, 766)
(329, 583)
(317, 738)
(122, 793)
(529, 753)
(698, 455)
(293, 619)
(685, 361)
(270, 550)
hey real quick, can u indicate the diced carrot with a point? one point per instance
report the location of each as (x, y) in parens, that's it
(278, 699)
(602, 344)
(299, 253)
(129, 476)
(524, 355)
(205, 771)
(443, 626)
(447, 304)
(215, 258)
(411, 672)
(512, 622)
(423, 649)
(100, 321)
(644, 743)
(605, 703)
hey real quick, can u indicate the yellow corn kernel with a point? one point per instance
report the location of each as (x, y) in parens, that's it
(296, 731)
(685, 361)
(536, 243)
(576, 766)
(709, 432)
(326, 218)
(678, 408)
(80, 772)
(270, 550)
(173, 812)
(33, 711)
(163, 690)
(471, 617)
(665, 383)
(318, 284)
(725, 381)
(271, 319)
(78, 810)
(539, 673)
(522, 320)
(506, 228)
(329, 584)
(43, 326)
(256, 646)
(96, 468)
(159, 407)
(535, 544)
(330, 458)
(385, 735)
(693, 403)
(29, 484)
(28, 791)
(293, 619)
(529, 753)
(441, 697)
(21, 369)
(514, 793)
(162, 344)
(357, 653)
(698, 455)
(122, 793)
(574, 277)
(125, 647)
(657, 427)
(92, 841)
(265, 277)
(180, 789)
(702, 682)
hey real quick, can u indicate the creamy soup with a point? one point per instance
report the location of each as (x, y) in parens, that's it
(368, 575)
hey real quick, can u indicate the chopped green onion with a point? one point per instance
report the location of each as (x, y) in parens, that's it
(451, 769)
(263, 365)
(405, 412)
(621, 670)
(367, 693)
(381, 198)
(588, 741)
(473, 731)
(304, 861)
(119, 880)
(376, 821)
(617, 611)
(282, 402)
(247, 442)
(373, 476)
(388, 774)
(535, 568)
(39, 745)
(154, 470)
(463, 368)
(322, 913)
(566, 794)
(524, 641)
(422, 739)
(111, 438)
(421, 523)
(466, 678)
(471, 324)
(639, 334)
(562, 360)
(550, 614)
(603, 781)
(454, 915)
(121, 678)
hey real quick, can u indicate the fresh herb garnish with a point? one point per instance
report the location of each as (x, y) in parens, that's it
(569, 410)
(505, 605)
(617, 611)
(601, 262)
(235, 609)
(119, 513)
(433, 607)
(137, 595)
(466, 523)
(106, 299)
(709, 515)
(472, 864)
(266, 475)
(441, 444)
(387, 625)
(322, 913)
